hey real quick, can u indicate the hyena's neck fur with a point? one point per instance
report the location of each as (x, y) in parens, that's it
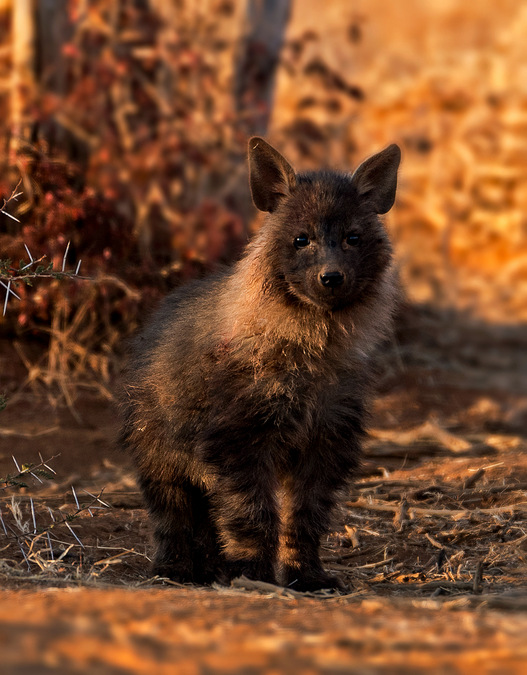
(262, 321)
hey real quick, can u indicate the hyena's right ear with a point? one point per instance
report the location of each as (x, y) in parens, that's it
(271, 176)
(376, 178)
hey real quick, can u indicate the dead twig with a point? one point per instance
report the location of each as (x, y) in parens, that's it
(478, 577)
(433, 541)
(427, 431)
(472, 480)
(374, 505)
(427, 585)
(400, 520)
(27, 434)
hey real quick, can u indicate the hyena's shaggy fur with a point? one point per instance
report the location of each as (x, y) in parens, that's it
(246, 394)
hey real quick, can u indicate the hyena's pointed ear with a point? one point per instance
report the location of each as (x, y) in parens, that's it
(376, 178)
(271, 176)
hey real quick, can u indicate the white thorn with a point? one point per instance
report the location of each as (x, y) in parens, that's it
(75, 497)
(9, 215)
(33, 514)
(3, 524)
(10, 290)
(25, 557)
(65, 256)
(97, 498)
(73, 533)
(7, 297)
(50, 547)
(28, 252)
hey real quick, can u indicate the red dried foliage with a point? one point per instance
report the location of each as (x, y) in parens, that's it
(135, 161)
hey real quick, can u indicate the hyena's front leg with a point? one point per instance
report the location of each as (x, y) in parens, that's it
(320, 471)
(247, 516)
(244, 501)
(309, 504)
(311, 495)
(170, 507)
(207, 557)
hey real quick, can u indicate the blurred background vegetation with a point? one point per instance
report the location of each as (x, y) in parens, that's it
(126, 121)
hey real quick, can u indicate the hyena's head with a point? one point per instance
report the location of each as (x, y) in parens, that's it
(324, 242)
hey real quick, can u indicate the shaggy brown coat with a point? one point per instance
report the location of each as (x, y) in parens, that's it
(247, 392)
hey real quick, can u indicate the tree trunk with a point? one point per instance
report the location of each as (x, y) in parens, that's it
(54, 30)
(22, 80)
(265, 25)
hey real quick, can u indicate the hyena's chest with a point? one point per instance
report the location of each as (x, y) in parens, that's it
(286, 409)
(283, 398)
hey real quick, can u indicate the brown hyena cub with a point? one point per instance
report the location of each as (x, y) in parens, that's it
(246, 393)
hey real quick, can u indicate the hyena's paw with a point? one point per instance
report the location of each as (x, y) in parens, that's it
(257, 570)
(182, 574)
(207, 572)
(305, 580)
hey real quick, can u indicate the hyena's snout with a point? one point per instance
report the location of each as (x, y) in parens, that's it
(331, 279)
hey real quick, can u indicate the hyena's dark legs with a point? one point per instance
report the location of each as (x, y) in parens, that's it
(170, 507)
(186, 538)
(316, 476)
(207, 556)
(245, 507)
(309, 505)
(244, 496)
(246, 511)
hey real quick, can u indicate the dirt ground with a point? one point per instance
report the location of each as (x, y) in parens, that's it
(431, 540)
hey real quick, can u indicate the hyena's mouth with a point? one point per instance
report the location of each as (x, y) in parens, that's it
(328, 300)
(334, 299)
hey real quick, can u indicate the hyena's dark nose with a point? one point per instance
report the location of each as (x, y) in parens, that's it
(331, 279)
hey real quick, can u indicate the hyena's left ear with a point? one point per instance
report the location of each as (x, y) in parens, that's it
(271, 176)
(376, 178)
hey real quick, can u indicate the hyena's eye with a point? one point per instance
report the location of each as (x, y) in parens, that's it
(352, 239)
(301, 241)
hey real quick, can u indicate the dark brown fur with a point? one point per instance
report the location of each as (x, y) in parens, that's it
(246, 393)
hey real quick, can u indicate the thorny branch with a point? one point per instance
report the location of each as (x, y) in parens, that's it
(27, 534)
(37, 471)
(34, 269)
(11, 198)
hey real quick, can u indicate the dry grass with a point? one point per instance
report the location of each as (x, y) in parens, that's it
(398, 536)
(47, 539)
